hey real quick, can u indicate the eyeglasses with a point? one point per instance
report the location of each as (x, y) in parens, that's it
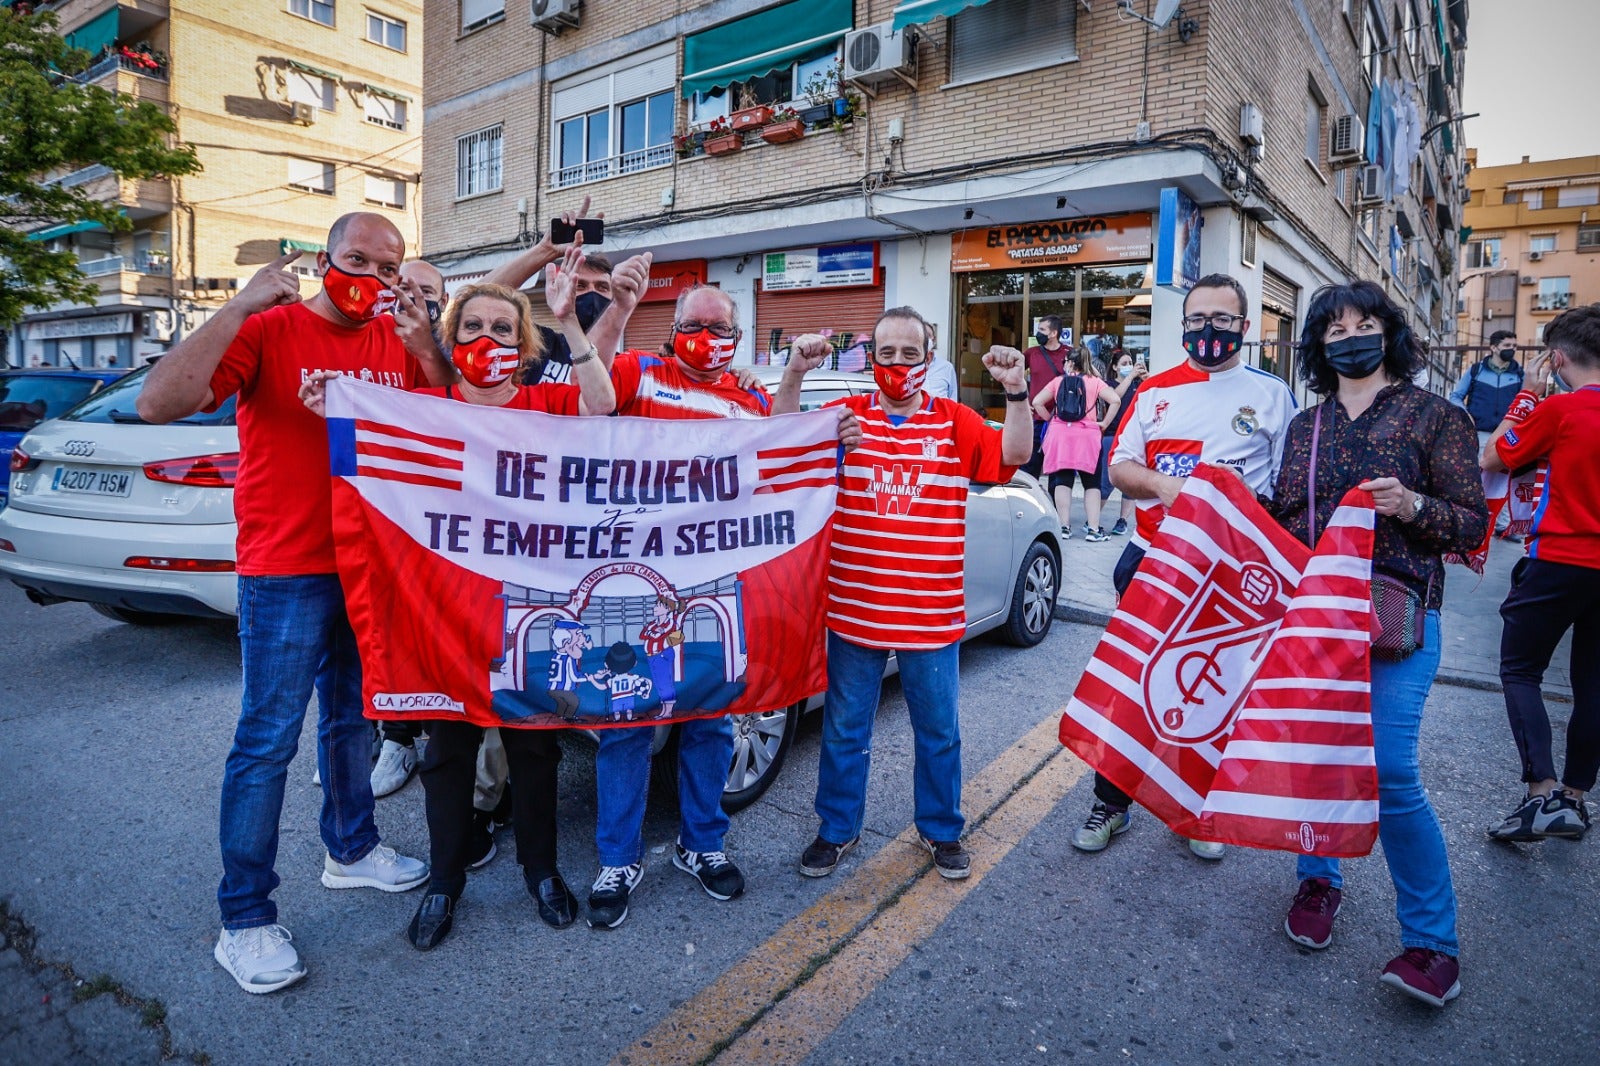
(1219, 320)
(716, 329)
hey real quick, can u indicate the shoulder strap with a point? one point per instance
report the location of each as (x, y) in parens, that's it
(1311, 479)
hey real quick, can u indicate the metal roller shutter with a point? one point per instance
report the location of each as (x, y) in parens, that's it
(845, 315)
(1278, 293)
(649, 325)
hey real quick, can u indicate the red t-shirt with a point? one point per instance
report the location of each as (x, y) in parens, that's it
(548, 397)
(283, 498)
(1565, 430)
(895, 571)
(651, 386)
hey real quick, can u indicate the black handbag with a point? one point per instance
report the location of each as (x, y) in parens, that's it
(1402, 616)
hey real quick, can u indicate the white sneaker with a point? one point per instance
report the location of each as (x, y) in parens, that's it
(396, 763)
(1207, 850)
(380, 868)
(261, 958)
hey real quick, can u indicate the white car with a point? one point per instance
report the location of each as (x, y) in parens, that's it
(134, 519)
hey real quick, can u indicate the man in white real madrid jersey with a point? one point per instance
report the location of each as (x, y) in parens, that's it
(1210, 408)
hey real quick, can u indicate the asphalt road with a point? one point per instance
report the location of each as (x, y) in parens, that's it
(112, 740)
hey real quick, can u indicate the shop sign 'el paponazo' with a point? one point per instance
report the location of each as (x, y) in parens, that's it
(1074, 241)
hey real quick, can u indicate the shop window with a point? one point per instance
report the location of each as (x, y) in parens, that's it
(478, 162)
(315, 10)
(308, 175)
(389, 32)
(619, 122)
(1010, 36)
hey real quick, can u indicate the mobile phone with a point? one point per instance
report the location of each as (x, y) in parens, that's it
(593, 229)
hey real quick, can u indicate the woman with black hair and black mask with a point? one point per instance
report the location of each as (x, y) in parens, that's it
(1416, 453)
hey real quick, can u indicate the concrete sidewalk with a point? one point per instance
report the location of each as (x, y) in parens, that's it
(1471, 618)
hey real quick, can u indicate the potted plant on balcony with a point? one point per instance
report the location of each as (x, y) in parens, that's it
(786, 126)
(690, 144)
(720, 138)
(751, 115)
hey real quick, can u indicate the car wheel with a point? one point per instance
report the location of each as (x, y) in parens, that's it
(136, 618)
(760, 744)
(1033, 601)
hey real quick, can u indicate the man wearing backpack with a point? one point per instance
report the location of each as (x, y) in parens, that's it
(1486, 391)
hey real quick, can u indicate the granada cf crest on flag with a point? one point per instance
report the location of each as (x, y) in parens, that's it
(514, 568)
(1231, 693)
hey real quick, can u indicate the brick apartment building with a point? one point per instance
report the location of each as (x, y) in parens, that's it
(300, 110)
(1531, 248)
(991, 162)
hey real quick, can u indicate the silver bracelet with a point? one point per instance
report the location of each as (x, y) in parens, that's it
(592, 353)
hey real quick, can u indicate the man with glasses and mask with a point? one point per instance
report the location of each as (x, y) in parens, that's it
(689, 379)
(895, 579)
(1211, 408)
(1486, 391)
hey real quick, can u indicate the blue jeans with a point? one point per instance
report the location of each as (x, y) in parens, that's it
(1413, 844)
(293, 636)
(622, 784)
(930, 680)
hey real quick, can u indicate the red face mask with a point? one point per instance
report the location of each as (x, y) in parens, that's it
(898, 381)
(484, 363)
(704, 350)
(358, 297)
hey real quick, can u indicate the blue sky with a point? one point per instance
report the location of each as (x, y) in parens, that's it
(1532, 72)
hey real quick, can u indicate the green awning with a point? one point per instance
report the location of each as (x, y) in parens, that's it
(318, 71)
(378, 90)
(52, 232)
(916, 12)
(95, 34)
(761, 43)
(289, 244)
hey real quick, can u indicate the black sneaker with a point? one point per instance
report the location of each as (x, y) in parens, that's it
(1517, 828)
(714, 870)
(819, 859)
(480, 840)
(1561, 816)
(502, 810)
(949, 858)
(608, 896)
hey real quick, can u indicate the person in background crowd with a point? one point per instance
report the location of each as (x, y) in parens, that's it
(1072, 440)
(941, 380)
(1130, 374)
(1414, 452)
(1211, 408)
(1486, 392)
(293, 632)
(1556, 588)
(495, 348)
(895, 582)
(1047, 360)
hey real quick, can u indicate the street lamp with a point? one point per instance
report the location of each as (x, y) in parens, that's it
(1442, 123)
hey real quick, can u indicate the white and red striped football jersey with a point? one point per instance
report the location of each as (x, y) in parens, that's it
(1183, 417)
(895, 572)
(652, 386)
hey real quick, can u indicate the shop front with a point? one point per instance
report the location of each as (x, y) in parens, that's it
(651, 323)
(1096, 274)
(90, 341)
(835, 290)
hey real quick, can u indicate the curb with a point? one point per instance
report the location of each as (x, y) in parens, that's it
(1094, 616)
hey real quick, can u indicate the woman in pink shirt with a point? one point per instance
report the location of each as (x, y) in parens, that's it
(1072, 443)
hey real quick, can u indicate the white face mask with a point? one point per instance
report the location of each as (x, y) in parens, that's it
(1124, 370)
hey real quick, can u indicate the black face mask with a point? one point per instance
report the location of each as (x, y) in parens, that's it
(589, 307)
(1042, 338)
(434, 310)
(1210, 346)
(1355, 357)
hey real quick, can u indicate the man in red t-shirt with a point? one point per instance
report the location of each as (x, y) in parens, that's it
(895, 579)
(1557, 587)
(1047, 361)
(293, 632)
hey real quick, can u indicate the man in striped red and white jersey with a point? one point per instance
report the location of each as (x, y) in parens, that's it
(1210, 408)
(895, 579)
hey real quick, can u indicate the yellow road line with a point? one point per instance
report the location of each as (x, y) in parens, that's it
(699, 1028)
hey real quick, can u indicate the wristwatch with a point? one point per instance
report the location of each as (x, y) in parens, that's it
(1017, 397)
(1418, 500)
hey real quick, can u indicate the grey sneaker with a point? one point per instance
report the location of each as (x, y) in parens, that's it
(949, 858)
(1517, 827)
(261, 958)
(821, 856)
(1206, 849)
(381, 868)
(1103, 824)
(1561, 816)
(1096, 536)
(396, 763)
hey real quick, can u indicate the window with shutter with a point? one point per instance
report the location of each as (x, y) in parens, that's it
(475, 13)
(385, 111)
(1009, 36)
(617, 120)
(311, 89)
(309, 175)
(390, 192)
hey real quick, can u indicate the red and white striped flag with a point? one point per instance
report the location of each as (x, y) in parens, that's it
(1231, 693)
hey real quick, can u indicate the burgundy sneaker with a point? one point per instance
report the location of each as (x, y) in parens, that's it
(1310, 920)
(1431, 976)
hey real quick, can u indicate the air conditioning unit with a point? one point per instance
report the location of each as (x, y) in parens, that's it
(1535, 256)
(1346, 141)
(159, 325)
(1370, 187)
(553, 16)
(878, 53)
(1529, 279)
(302, 114)
(1250, 125)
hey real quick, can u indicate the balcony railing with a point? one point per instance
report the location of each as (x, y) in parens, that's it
(99, 268)
(82, 177)
(613, 166)
(1552, 301)
(116, 61)
(143, 263)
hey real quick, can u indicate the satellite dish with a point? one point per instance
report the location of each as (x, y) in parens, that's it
(1165, 9)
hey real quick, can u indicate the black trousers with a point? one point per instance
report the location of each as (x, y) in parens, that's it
(404, 733)
(1121, 578)
(1547, 599)
(449, 769)
(1035, 463)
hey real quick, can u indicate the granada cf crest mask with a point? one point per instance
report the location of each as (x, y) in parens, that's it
(1210, 346)
(900, 382)
(704, 350)
(484, 363)
(358, 297)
